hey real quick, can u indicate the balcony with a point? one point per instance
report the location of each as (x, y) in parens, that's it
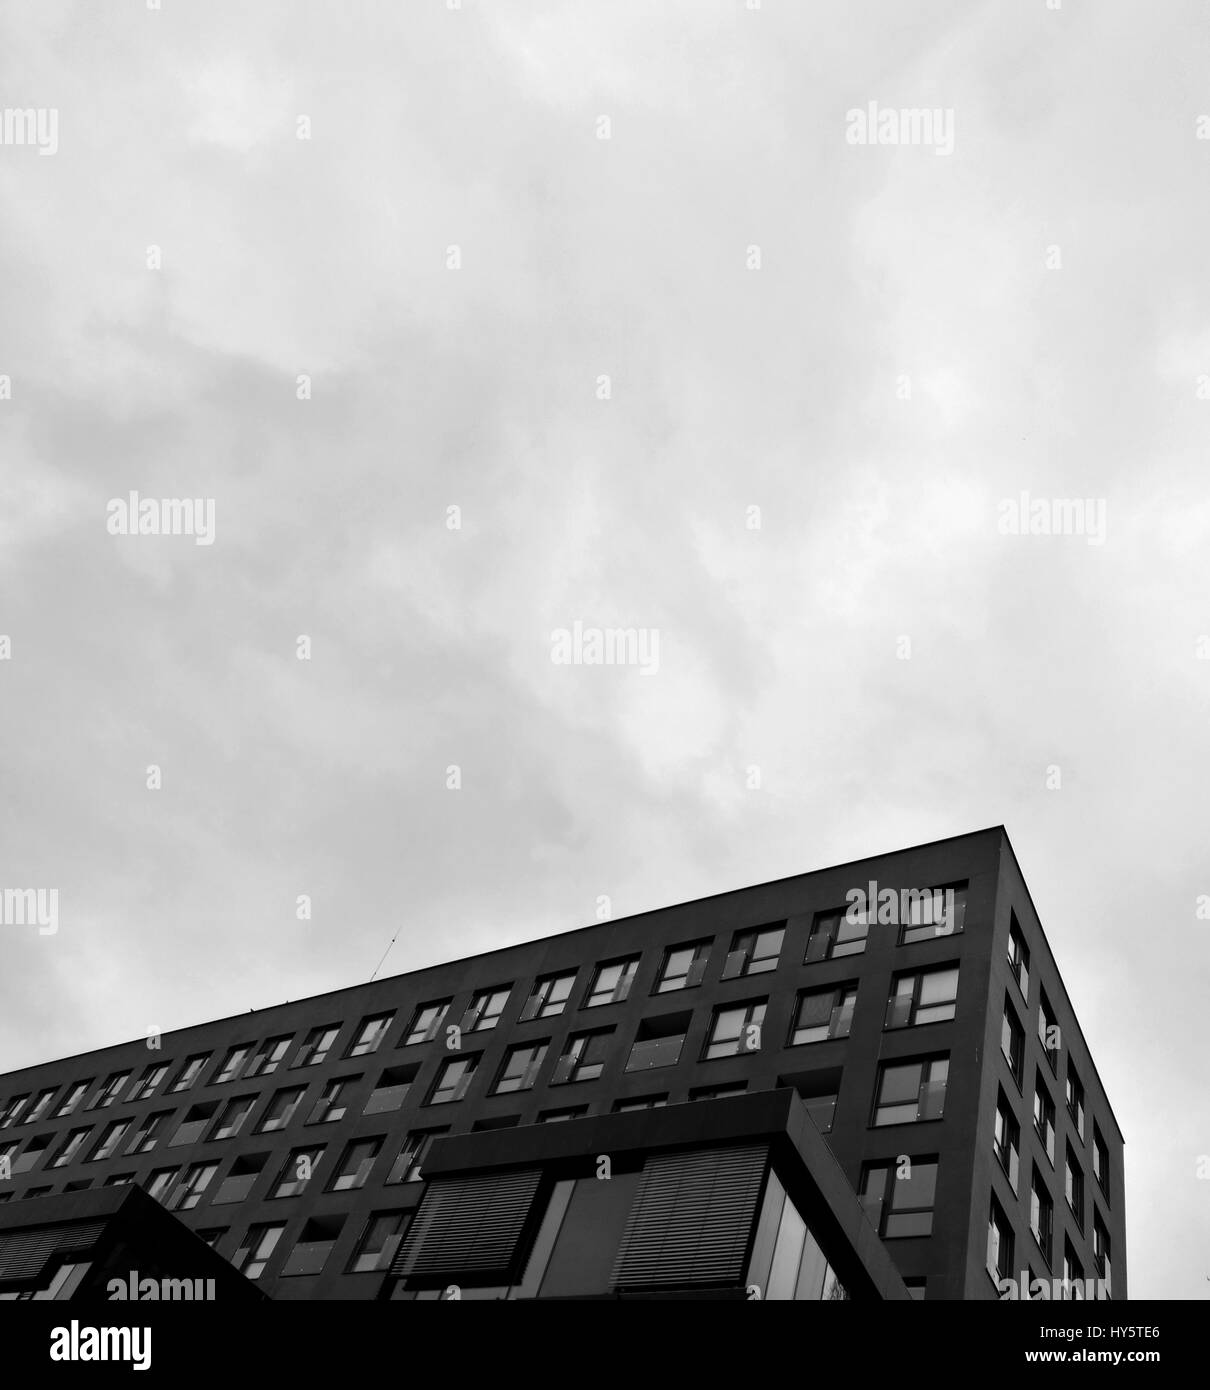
(655, 1052)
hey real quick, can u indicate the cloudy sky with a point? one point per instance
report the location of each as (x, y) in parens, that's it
(872, 344)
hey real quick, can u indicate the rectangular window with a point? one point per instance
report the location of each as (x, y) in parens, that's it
(256, 1248)
(683, 966)
(313, 1247)
(923, 996)
(898, 1196)
(150, 1131)
(485, 1009)
(333, 1102)
(113, 1136)
(355, 1164)
(240, 1180)
(1075, 1099)
(453, 1079)
(269, 1056)
(189, 1193)
(110, 1090)
(549, 997)
(612, 981)
(911, 1091)
(1044, 1118)
(72, 1099)
(754, 952)
(520, 1067)
(161, 1180)
(568, 1112)
(316, 1045)
(1073, 1274)
(1018, 957)
(232, 1119)
(118, 1180)
(736, 1029)
(71, 1147)
(392, 1089)
(297, 1171)
(1048, 1033)
(281, 1109)
(369, 1035)
(33, 1151)
(934, 912)
(1100, 1160)
(1012, 1042)
(658, 1042)
(1073, 1186)
(12, 1111)
(837, 933)
(583, 1058)
(378, 1242)
(190, 1070)
(824, 1014)
(406, 1167)
(149, 1082)
(1041, 1213)
(728, 1088)
(1006, 1143)
(999, 1245)
(229, 1069)
(639, 1103)
(41, 1104)
(427, 1022)
(1100, 1251)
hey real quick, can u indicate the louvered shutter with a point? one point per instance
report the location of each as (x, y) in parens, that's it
(691, 1222)
(468, 1226)
(25, 1254)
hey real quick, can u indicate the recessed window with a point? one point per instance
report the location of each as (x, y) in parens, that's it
(1041, 1213)
(256, 1248)
(392, 1089)
(1073, 1273)
(111, 1088)
(910, 1091)
(1006, 1142)
(611, 982)
(1100, 1160)
(72, 1099)
(485, 1009)
(583, 1058)
(12, 1110)
(269, 1056)
(453, 1079)
(355, 1164)
(406, 1167)
(316, 1045)
(378, 1242)
(297, 1171)
(1075, 1099)
(658, 1042)
(71, 1147)
(824, 1014)
(333, 1102)
(113, 1136)
(78, 1186)
(149, 1082)
(213, 1235)
(193, 1185)
(231, 1121)
(1044, 1118)
(933, 912)
(33, 1151)
(241, 1178)
(190, 1070)
(369, 1035)
(1012, 1041)
(923, 996)
(281, 1109)
(999, 1244)
(736, 1029)
(189, 1131)
(837, 933)
(231, 1064)
(1048, 1033)
(549, 997)
(754, 952)
(160, 1181)
(520, 1067)
(496, 1122)
(1073, 1186)
(1100, 1252)
(719, 1092)
(640, 1103)
(1018, 957)
(683, 966)
(898, 1196)
(310, 1253)
(118, 1180)
(567, 1112)
(427, 1022)
(40, 1106)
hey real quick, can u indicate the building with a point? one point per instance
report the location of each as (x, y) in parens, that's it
(866, 1081)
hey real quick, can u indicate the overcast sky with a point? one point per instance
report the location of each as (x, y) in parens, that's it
(928, 333)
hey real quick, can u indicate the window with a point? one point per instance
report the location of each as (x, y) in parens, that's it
(355, 1165)
(639, 1103)
(934, 912)
(496, 1122)
(754, 952)
(189, 1072)
(118, 1180)
(314, 1246)
(196, 1181)
(683, 966)
(898, 1196)
(911, 1091)
(1006, 1143)
(232, 1119)
(297, 1171)
(253, 1253)
(1041, 1213)
(281, 1109)
(837, 933)
(583, 1058)
(189, 1131)
(428, 1020)
(1100, 1251)
(819, 1091)
(7, 1152)
(519, 1070)
(453, 1079)
(729, 1088)
(229, 1069)
(110, 1089)
(1044, 1118)
(71, 1147)
(110, 1140)
(1073, 1186)
(1012, 1042)
(549, 997)
(612, 981)
(378, 1242)
(658, 1042)
(1048, 1033)
(149, 1082)
(40, 1105)
(406, 1167)
(333, 1102)
(823, 1014)
(485, 1009)
(369, 1035)
(736, 1030)
(73, 1098)
(916, 1288)
(1075, 1099)
(391, 1090)
(1100, 1160)
(13, 1110)
(999, 1244)
(32, 1152)
(568, 1112)
(1018, 957)
(1073, 1274)
(269, 1056)
(213, 1235)
(316, 1045)
(161, 1180)
(923, 996)
(240, 1180)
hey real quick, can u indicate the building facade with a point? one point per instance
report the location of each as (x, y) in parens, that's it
(866, 1082)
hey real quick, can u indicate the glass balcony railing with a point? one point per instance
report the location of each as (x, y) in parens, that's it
(898, 1011)
(655, 1052)
(932, 1100)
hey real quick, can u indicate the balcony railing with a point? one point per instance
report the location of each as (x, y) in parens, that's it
(898, 1011)
(655, 1052)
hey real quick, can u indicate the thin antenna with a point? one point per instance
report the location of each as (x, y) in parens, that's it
(387, 952)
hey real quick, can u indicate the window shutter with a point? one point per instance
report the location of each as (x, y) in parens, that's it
(25, 1254)
(691, 1222)
(468, 1226)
